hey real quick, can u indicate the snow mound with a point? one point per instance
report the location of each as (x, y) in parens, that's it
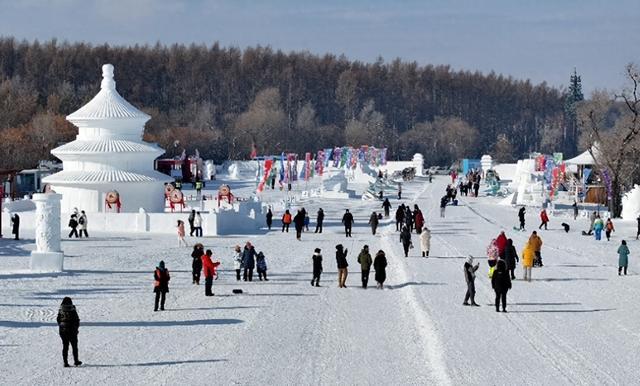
(631, 204)
(240, 170)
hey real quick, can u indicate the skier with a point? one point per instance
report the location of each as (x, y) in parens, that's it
(521, 213)
(320, 219)
(405, 238)
(73, 224)
(544, 218)
(209, 268)
(470, 278)
(237, 261)
(15, 229)
(196, 264)
(286, 221)
(501, 243)
(160, 285)
(298, 222)
(364, 258)
(501, 284)
(347, 220)
(623, 257)
(83, 222)
(535, 242)
(598, 225)
(608, 228)
(180, 229)
(380, 265)
(528, 256)
(191, 218)
(511, 258)
(197, 224)
(399, 216)
(418, 219)
(443, 205)
(373, 221)
(425, 241)
(248, 261)
(269, 217)
(386, 205)
(261, 266)
(317, 267)
(68, 325)
(341, 261)
(575, 210)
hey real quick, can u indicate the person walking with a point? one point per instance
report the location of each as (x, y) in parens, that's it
(511, 258)
(575, 210)
(443, 205)
(261, 266)
(347, 220)
(521, 214)
(317, 267)
(319, 220)
(425, 241)
(197, 224)
(544, 218)
(536, 244)
(623, 257)
(15, 229)
(418, 219)
(380, 265)
(83, 222)
(405, 239)
(73, 224)
(501, 243)
(341, 261)
(209, 269)
(408, 218)
(180, 229)
(470, 278)
(399, 191)
(386, 205)
(608, 228)
(399, 217)
(364, 258)
(237, 261)
(501, 284)
(373, 221)
(528, 256)
(160, 285)
(192, 217)
(592, 218)
(248, 261)
(298, 222)
(598, 225)
(269, 218)
(286, 221)
(196, 263)
(68, 326)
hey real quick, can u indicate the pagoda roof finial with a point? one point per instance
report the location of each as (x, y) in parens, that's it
(107, 77)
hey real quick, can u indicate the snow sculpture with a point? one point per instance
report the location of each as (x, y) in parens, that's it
(418, 163)
(48, 256)
(631, 204)
(107, 155)
(486, 162)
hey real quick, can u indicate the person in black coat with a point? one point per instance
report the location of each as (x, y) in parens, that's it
(347, 220)
(373, 221)
(269, 218)
(380, 265)
(638, 232)
(521, 213)
(317, 267)
(399, 217)
(511, 258)
(196, 264)
(68, 325)
(405, 238)
(443, 205)
(161, 285)
(298, 222)
(501, 283)
(341, 262)
(15, 220)
(319, 221)
(386, 205)
(73, 224)
(248, 261)
(408, 218)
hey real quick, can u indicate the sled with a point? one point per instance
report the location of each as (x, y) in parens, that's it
(237, 291)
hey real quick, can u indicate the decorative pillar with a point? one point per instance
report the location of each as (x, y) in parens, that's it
(418, 163)
(487, 163)
(48, 256)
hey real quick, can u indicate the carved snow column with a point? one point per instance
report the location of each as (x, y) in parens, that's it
(48, 256)
(486, 162)
(418, 163)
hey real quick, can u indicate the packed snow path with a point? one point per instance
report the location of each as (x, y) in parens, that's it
(576, 322)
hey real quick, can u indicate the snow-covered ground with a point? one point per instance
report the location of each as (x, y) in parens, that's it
(576, 322)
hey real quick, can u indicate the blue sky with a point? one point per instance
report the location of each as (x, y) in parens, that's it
(539, 40)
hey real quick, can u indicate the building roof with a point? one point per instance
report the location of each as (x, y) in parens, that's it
(583, 159)
(106, 146)
(108, 103)
(99, 177)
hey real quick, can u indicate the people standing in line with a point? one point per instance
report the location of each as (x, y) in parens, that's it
(511, 258)
(405, 239)
(536, 244)
(598, 225)
(191, 219)
(15, 228)
(470, 278)
(608, 228)
(341, 262)
(237, 261)
(425, 241)
(544, 218)
(399, 217)
(286, 221)
(197, 224)
(298, 222)
(261, 266)
(160, 285)
(73, 224)
(196, 263)
(521, 214)
(501, 284)
(418, 219)
(347, 220)
(380, 265)
(317, 267)
(575, 210)
(623, 257)
(364, 258)
(180, 229)
(269, 217)
(373, 221)
(443, 205)
(386, 205)
(319, 220)
(209, 269)
(528, 256)
(83, 223)
(68, 326)
(248, 261)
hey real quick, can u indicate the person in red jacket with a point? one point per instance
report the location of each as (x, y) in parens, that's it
(501, 243)
(418, 219)
(161, 285)
(209, 268)
(544, 218)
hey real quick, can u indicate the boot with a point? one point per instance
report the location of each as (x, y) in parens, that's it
(312, 283)
(66, 364)
(424, 254)
(77, 363)
(427, 253)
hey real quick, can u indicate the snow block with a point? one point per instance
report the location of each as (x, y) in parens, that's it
(47, 261)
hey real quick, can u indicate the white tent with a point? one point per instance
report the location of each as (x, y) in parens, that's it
(583, 159)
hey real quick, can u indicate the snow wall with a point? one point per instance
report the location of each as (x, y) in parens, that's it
(631, 204)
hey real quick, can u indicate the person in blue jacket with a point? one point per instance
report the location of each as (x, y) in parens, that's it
(623, 257)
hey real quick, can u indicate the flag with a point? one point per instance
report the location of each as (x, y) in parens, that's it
(267, 169)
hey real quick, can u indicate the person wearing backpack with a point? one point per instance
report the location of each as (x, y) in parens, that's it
(286, 221)
(68, 325)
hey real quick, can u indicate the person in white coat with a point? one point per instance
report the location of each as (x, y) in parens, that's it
(237, 261)
(83, 222)
(197, 224)
(425, 241)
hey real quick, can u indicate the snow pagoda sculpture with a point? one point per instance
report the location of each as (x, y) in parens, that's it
(108, 167)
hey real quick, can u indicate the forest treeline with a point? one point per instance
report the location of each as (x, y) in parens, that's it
(221, 100)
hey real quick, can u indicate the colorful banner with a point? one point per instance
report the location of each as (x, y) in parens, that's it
(319, 166)
(607, 182)
(267, 169)
(307, 166)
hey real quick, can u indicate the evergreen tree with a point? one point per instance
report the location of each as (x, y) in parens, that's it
(573, 97)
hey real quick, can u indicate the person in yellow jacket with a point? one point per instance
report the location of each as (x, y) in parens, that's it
(536, 244)
(528, 255)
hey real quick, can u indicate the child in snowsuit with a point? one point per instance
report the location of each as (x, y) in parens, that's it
(623, 257)
(470, 278)
(501, 284)
(261, 266)
(196, 264)
(161, 285)
(317, 267)
(380, 265)
(68, 325)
